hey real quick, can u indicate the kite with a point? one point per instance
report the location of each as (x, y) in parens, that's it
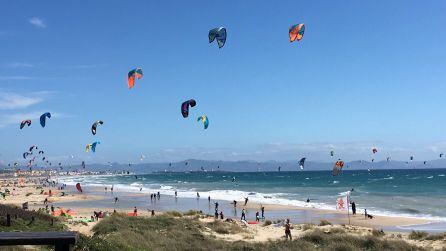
(411, 158)
(374, 150)
(25, 122)
(205, 121)
(43, 118)
(25, 154)
(32, 148)
(185, 107)
(302, 163)
(95, 125)
(441, 155)
(296, 32)
(331, 153)
(337, 168)
(218, 34)
(135, 73)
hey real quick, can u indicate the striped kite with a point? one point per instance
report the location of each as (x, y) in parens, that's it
(296, 32)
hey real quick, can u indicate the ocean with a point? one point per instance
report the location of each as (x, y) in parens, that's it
(409, 193)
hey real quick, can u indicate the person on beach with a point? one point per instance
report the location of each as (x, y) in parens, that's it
(151, 196)
(159, 195)
(216, 206)
(209, 199)
(221, 215)
(135, 211)
(111, 189)
(116, 199)
(105, 188)
(257, 216)
(288, 228)
(140, 189)
(308, 200)
(52, 208)
(365, 214)
(45, 202)
(353, 207)
(216, 214)
(235, 203)
(176, 193)
(263, 212)
(246, 201)
(198, 195)
(153, 212)
(243, 214)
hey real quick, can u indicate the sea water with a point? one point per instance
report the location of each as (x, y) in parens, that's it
(408, 193)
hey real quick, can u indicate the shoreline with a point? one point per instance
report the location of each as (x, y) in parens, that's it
(93, 199)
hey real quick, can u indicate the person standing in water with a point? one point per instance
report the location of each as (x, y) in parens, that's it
(216, 206)
(246, 201)
(262, 209)
(198, 195)
(176, 194)
(235, 203)
(257, 216)
(243, 214)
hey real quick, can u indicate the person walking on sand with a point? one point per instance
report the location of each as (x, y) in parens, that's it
(246, 201)
(235, 203)
(365, 214)
(354, 208)
(221, 215)
(257, 216)
(135, 212)
(243, 214)
(262, 209)
(288, 228)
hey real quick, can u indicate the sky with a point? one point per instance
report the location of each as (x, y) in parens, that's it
(366, 74)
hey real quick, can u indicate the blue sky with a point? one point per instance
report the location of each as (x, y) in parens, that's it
(366, 74)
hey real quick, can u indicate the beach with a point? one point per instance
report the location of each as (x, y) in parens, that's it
(96, 199)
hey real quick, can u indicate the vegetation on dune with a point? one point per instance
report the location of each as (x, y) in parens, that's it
(22, 220)
(420, 235)
(166, 232)
(325, 223)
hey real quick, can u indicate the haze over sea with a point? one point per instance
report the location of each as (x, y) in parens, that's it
(412, 193)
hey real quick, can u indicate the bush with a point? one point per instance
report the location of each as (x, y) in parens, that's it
(436, 237)
(224, 227)
(267, 223)
(307, 226)
(378, 233)
(191, 213)
(174, 214)
(325, 223)
(418, 235)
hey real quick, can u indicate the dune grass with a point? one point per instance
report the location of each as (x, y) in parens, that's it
(22, 220)
(421, 235)
(165, 232)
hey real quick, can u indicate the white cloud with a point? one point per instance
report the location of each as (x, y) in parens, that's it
(37, 22)
(19, 65)
(10, 101)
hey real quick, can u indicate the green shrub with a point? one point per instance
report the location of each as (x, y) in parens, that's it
(325, 223)
(191, 213)
(378, 233)
(418, 235)
(267, 223)
(307, 226)
(174, 213)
